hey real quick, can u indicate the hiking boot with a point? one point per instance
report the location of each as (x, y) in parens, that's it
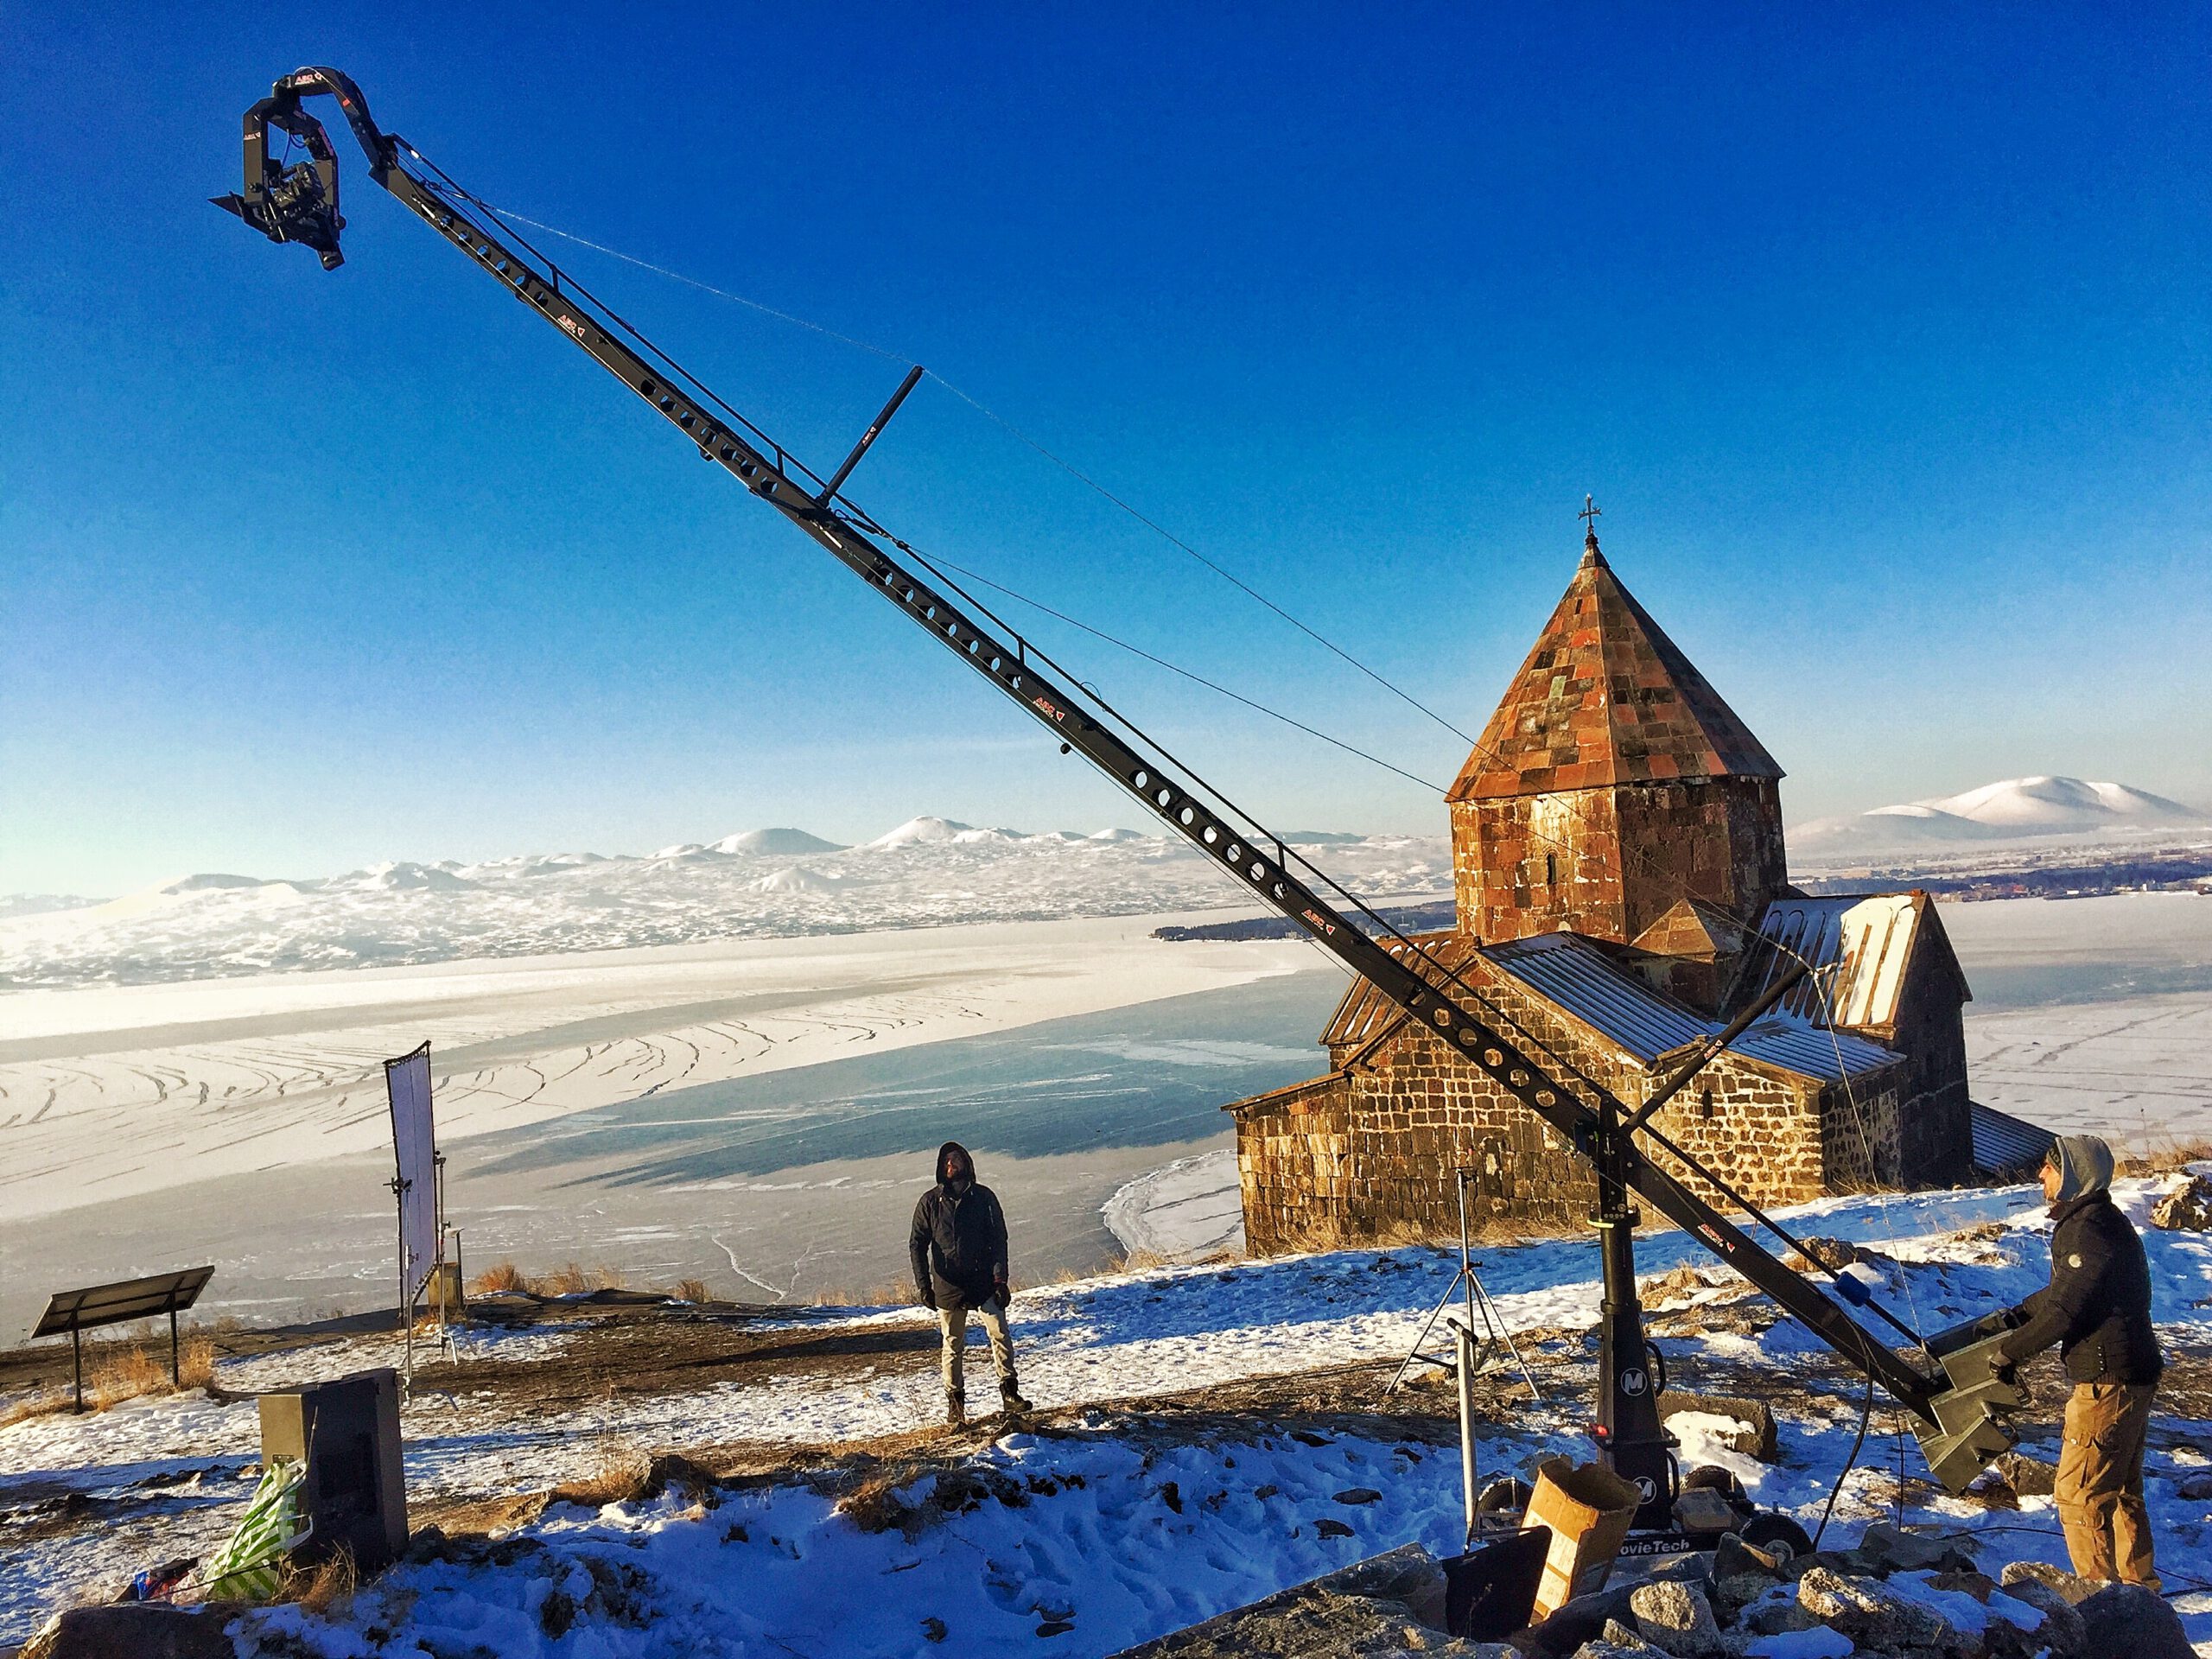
(955, 1410)
(1010, 1397)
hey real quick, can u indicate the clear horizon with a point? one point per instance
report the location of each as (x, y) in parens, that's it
(1880, 342)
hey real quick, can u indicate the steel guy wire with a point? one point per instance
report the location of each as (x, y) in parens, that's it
(1670, 881)
(992, 415)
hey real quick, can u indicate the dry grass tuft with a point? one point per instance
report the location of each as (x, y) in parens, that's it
(620, 1477)
(326, 1587)
(129, 1374)
(45, 1404)
(569, 1281)
(503, 1275)
(575, 1279)
(875, 1505)
(692, 1290)
(894, 1293)
(2162, 1153)
(195, 1366)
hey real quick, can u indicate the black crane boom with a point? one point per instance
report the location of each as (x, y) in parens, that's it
(300, 204)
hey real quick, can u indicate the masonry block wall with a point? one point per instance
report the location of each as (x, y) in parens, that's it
(1367, 1154)
(1529, 864)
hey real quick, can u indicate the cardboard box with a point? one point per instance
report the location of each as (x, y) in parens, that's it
(1588, 1507)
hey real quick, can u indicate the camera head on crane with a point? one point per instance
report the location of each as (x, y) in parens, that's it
(299, 202)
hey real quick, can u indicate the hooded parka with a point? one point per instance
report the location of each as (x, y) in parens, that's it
(2098, 1307)
(958, 1243)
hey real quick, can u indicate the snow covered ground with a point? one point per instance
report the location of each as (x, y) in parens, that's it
(928, 872)
(1190, 1208)
(1086, 1523)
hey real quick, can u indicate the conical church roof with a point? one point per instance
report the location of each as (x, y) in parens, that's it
(1605, 697)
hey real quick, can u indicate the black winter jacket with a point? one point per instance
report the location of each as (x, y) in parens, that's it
(2099, 1302)
(959, 1242)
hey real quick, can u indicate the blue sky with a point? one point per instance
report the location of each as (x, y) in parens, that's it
(1882, 343)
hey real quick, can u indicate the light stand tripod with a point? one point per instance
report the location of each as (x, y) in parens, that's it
(1470, 1354)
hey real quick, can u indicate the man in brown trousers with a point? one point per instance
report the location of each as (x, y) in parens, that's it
(2098, 1307)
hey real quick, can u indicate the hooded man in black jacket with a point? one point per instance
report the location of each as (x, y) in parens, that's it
(958, 1251)
(2098, 1308)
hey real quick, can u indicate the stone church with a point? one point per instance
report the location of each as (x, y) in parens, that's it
(1618, 866)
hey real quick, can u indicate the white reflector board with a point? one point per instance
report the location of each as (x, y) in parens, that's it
(413, 1141)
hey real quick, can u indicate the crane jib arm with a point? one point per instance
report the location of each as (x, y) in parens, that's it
(300, 204)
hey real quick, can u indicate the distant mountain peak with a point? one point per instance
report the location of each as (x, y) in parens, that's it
(782, 841)
(2070, 803)
(923, 830)
(2011, 809)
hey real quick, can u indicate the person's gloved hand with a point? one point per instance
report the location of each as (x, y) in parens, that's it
(1001, 1293)
(929, 1299)
(2005, 1372)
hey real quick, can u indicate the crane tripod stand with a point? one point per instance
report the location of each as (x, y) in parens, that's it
(1472, 1355)
(1494, 1347)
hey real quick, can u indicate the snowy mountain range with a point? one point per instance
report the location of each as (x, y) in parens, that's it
(2016, 808)
(765, 883)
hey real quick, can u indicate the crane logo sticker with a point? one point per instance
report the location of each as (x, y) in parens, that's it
(1051, 710)
(1315, 918)
(1633, 1381)
(1646, 1488)
(571, 325)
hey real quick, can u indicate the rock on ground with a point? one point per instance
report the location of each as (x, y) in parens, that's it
(2063, 1630)
(1677, 1617)
(2126, 1618)
(1617, 1641)
(1390, 1606)
(130, 1631)
(2186, 1209)
(1869, 1611)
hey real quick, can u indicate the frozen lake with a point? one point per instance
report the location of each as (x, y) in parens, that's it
(762, 1117)
(790, 1183)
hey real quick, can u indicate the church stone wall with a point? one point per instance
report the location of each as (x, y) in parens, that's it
(1719, 839)
(1369, 1157)
(1529, 864)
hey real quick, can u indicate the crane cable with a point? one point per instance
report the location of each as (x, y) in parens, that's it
(1451, 977)
(992, 415)
(1670, 880)
(938, 561)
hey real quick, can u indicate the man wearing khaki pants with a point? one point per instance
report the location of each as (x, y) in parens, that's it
(958, 1250)
(2098, 1307)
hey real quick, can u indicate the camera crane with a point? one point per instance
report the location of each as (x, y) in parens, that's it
(1948, 1386)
